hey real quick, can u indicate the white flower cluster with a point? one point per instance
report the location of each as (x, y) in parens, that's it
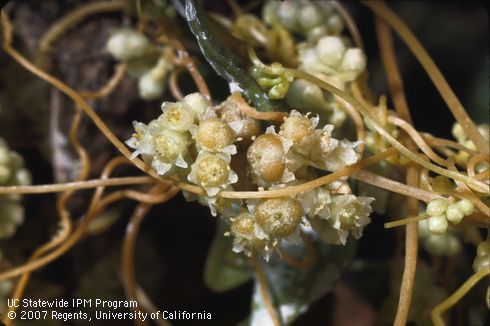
(261, 226)
(276, 157)
(339, 215)
(446, 244)
(331, 61)
(145, 61)
(482, 259)
(311, 19)
(279, 159)
(440, 211)
(12, 173)
(201, 144)
(190, 137)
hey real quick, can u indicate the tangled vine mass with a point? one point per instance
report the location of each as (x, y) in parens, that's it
(263, 113)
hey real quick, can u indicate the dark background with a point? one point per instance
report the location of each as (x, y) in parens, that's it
(175, 237)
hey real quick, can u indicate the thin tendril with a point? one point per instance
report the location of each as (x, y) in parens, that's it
(174, 84)
(350, 23)
(477, 185)
(394, 186)
(456, 296)
(59, 187)
(66, 22)
(405, 221)
(304, 263)
(395, 83)
(129, 241)
(264, 291)
(457, 109)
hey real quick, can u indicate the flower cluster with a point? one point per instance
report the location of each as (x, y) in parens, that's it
(188, 136)
(343, 214)
(144, 60)
(311, 19)
(330, 60)
(264, 223)
(205, 145)
(440, 211)
(12, 173)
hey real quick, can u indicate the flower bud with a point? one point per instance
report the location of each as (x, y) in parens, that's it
(243, 228)
(437, 224)
(150, 88)
(437, 207)
(483, 249)
(126, 44)
(330, 50)
(177, 116)
(481, 263)
(287, 13)
(354, 60)
(310, 16)
(266, 157)
(197, 103)
(297, 128)
(454, 213)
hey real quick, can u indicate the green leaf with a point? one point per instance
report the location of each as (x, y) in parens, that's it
(225, 269)
(294, 290)
(222, 59)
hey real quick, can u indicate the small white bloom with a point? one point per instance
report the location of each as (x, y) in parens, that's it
(330, 50)
(126, 44)
(287, 13)
(197, 103)
(244, 230)
(177, 116)
(150, 88)
(305, 95)
(316, 202)
(341, 156)
(160, 147)
(300, 130)
(151, 85)
(212, 172)
(354, 61)
(350, 213)
(310, 16)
